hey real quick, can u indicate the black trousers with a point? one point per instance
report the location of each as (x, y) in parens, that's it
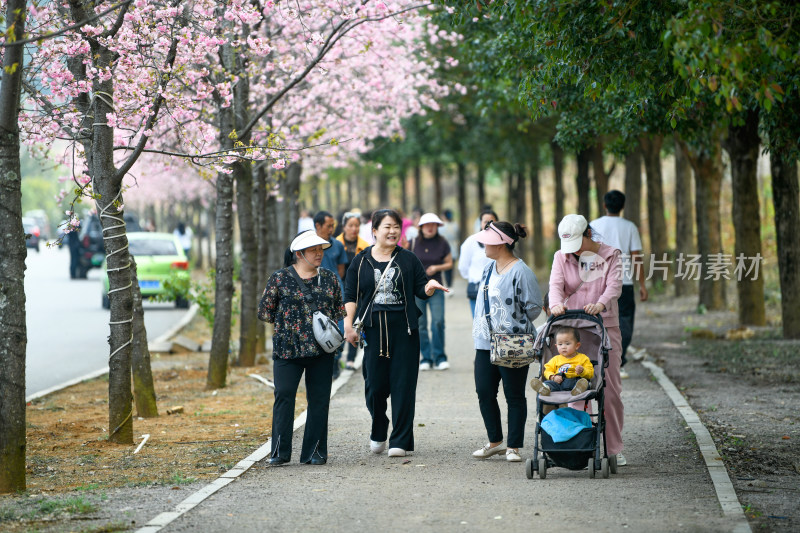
(391, 368)
(627, 312)
(287, 373)
(487, 385)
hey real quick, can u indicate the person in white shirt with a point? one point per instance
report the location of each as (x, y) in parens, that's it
(622, 234)
(472, 260)
(184, 235)
(305, 222)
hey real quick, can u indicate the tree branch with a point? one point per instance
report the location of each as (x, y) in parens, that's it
(68, 28)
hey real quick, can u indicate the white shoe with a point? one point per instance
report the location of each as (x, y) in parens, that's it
(377, 447)
(424, 366)
(621, 461)
(512, 456)
(444, 365)
(397, 452)
(488, 451)
(623, 374)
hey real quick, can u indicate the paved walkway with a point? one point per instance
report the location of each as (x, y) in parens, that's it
(666, 486)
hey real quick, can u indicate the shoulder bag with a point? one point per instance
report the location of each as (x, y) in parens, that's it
(326, 331)
(511, 350)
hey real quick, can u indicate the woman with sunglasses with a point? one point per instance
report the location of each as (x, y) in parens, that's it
(353, 245)
(514, 302)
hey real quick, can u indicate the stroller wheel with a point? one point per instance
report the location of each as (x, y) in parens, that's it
(542, 468)
(604, 467)
(612, 463)
(529, 468)
(591, 468)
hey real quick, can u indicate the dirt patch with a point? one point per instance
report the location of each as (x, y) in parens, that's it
(746, 393)
(72, 468)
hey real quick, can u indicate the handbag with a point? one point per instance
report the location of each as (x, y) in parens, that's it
(326, 331)
(358, 324)
(472, 290)
(511, 350)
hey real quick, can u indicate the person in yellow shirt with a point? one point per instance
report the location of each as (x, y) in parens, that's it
(569, 370)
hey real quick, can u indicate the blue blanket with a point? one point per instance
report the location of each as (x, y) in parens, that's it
(563, 424)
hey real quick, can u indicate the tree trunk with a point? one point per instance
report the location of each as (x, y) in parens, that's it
(211, 233)
(437, 187)
(418, 185)
(536, 206)
(262, 231)
(314, 191)
(656, 221)
(707, 166)
(684, 225)
(351, 200)
(481, 189)
(786, 200)
(248, 238)
(401, 177)
(511, 205)
(383, 189)
(521, 215)
(558, 177)
(582, 182)
(144, 392)
(462, 201)
(337, 192)
(13, 340)
(742, 146)
(600, 177)
(291, 204)
(633, 186)
(329, 197)
(223, 293)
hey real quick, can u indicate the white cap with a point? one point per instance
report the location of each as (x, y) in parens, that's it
(308, 239)
(570, 231)
(430, 218)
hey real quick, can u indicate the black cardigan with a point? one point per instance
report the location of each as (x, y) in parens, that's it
(412, 276)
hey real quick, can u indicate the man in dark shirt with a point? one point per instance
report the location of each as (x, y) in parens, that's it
(335, 259)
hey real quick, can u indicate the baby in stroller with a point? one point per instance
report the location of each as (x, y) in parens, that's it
(567, 371)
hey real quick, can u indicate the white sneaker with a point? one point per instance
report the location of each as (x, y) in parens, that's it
(623, 374)
(424, 366)
(621, 461)
(444, 365)
(488, 451)
(397, 452)
(512, 456)
(377, 447)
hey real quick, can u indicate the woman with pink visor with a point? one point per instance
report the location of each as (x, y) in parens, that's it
(513, 300)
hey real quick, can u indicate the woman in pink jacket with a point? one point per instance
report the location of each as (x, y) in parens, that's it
(587, 275)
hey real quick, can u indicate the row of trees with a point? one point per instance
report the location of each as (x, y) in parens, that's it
(626, 77)
(243, 94)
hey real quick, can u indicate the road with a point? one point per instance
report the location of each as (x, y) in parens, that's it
(67, 327)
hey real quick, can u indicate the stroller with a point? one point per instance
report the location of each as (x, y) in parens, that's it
(587, 447)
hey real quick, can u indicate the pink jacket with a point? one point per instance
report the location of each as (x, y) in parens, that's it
(604, 287)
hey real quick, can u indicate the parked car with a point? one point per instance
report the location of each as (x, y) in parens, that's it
(158, 256)
(92, 251)
(40, 216)
(32, 233)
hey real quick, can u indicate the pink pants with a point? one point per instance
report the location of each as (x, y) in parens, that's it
(614, 410)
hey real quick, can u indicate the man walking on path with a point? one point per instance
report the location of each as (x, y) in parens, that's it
(623, 234)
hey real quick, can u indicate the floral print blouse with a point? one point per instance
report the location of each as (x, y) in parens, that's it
(282, 304)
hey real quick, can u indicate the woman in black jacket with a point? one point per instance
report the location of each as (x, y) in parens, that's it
(380, 289)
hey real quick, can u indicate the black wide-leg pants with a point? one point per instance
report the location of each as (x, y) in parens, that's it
(287, 374)
(391, 368)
